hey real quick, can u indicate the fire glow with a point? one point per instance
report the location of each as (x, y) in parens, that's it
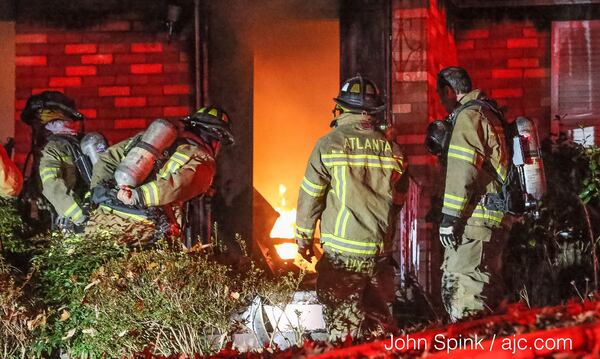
(284, 227)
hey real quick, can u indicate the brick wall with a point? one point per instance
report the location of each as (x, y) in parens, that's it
(510, 61)
(120, 75)
(422, 45)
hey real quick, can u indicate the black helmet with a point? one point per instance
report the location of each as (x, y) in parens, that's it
(49, 100)
(211, 122)
(360, 94)
(438, 137)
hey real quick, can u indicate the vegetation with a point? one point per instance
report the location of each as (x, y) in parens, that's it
(550, 258)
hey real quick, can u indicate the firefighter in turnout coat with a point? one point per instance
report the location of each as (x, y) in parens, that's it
(150, 211)
(62, 183)
(351, 184)
(471, 231)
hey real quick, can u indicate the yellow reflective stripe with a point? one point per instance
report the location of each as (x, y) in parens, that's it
(180, 156)
(312, 184)
(154, 192)
(481, 212)
(146, 194)
(456, 198)
(177, 160)
(49, 170)
(48, 176)
(73, 211)
(311, 192)
(342, 179)
(125, 214)
(462, 157)
(350, 250)
(359, 156)
(364, 164)
(66, 158)
(349, 241)
(463, 149)
(452, 205)
(302, 229)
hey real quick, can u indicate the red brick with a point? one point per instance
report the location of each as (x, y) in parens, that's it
(89, 112)
(503, 74)
(522, 43)
(491, 43)
(175, 111)
(99, 81)
(116, 112)
(113, 70)
(130, 101)
(80, 70)
(131, 80)
(465, 45)
(31, 61)
(163, 100)
(531, 32)
(113, 48)
(65, 81)
(114, 91)
(179, 67)
(64, 37)
(122, 123)
(507, 92)
(42, 89)
(147, 90)
(31, 38)
(81, 49)
(113, 26)
(543, 72)
(130, 58)
(177, 89)
(146, 68)
(474, 34)
(524, 62)
(146, 112)
(20, 104)
(147, 47)
(64, 60)
(100, 59)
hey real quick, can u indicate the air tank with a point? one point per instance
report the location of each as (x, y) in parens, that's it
(139, 162)
(529, 161)
(92, 145)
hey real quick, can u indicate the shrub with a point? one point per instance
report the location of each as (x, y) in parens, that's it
(15, 337)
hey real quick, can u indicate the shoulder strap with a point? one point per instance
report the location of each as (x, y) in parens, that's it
(81, 161)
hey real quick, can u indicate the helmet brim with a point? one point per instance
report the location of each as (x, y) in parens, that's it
(354, 107)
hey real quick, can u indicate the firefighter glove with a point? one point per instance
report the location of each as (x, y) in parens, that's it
(305, 249)
(128, 196)
(449, 231)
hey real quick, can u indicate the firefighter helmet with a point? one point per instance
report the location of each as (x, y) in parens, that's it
(48, 106)
(212, 122)
(438, 137)
(360, 94)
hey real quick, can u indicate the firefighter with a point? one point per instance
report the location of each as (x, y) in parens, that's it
(476, 163)
(142, 202)
(11, 179)
(62, 170)
(351, 184)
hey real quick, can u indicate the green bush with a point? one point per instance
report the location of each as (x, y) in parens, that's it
(98, 299)
(60, 276)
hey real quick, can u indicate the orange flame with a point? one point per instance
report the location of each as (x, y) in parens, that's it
(285, 225)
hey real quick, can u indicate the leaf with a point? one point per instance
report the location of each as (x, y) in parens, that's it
(234, 295)
(39, 320)
(90, 331)
(94, 282)
(152, 265)
(70, 333)
(64, 315)
(122, 334)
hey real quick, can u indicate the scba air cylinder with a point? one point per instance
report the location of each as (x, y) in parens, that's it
(92, 145)
(532, 173)
(139, 162)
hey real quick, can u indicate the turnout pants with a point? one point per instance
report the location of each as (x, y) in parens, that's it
(472, 273)
(355, 302)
